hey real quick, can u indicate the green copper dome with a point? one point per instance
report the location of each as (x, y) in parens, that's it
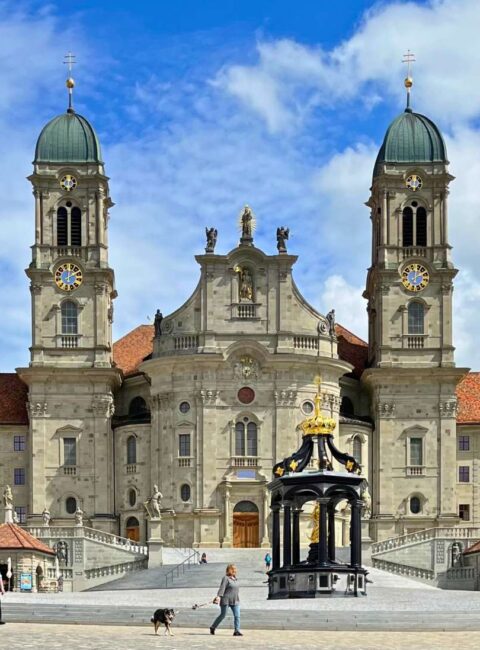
(68, 138)
(412, 138)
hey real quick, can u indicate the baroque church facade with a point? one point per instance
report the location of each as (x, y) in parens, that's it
(203, 403)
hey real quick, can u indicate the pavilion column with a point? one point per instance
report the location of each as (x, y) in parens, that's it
(296, 535)
(226, 523)
(287, 535)
(276, 537)
(322, 532)
(331, 533)
(356, 533)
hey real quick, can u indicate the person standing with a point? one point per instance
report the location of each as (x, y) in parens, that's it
(268, 561)
(226, 597)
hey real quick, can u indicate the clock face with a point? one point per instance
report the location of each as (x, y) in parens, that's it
(68, 182)
(415, 277)
(68, 276)
(414, 182)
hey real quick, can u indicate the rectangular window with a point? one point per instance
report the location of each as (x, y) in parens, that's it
(251, 439)
(464, 474)
(416, 451)
(464, 443)
(184, 444)
(69, 451)
(18, 443)
(464, 511)
(19, 476)
(21, 512)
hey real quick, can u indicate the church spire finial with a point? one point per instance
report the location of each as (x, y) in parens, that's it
(70, 83)
(408, 58)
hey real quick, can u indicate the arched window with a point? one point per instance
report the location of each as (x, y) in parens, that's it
(346, 406)
(421, 238)
(415, 505)
(357, 449)
(131, 450)
(246, 442)
(69, 225)
(408, 226)
(185, 492)
(69, 311)
(76, 227)
(62, 227)
(71, 505)
(416, 318)
(137, 406)
(239, 439)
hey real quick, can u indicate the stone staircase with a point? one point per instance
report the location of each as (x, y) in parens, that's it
(91, 557)
(424, 555)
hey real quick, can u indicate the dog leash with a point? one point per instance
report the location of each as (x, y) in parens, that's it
(201, 605)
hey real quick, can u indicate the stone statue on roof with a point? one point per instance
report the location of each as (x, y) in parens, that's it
(211, 234)
(7, 497)
(157, 323)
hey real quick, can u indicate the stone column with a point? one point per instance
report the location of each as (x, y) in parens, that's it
(322, 534)
(276, 537)
(265, 543)
(227, 540)
(296, 535)
(287, 535)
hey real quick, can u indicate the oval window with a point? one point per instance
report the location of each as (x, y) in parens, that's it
(71, 505)
(185, 492)
(132, 498)
(307, 407)
(415, 505)
(184, 407)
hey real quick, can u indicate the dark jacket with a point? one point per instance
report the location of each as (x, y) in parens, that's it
(228, 591)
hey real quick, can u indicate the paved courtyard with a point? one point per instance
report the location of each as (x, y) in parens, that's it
(20, 635)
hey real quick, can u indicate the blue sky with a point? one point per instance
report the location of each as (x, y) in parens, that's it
(204, 106)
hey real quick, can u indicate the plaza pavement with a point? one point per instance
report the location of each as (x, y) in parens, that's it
(393, 603)
(18, 636)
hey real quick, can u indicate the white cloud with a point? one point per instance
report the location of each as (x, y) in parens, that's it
(442, 33)
(346, 299)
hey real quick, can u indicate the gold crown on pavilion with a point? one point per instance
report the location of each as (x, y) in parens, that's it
(317, 425)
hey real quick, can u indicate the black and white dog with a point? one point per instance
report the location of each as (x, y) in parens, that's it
(163, 617)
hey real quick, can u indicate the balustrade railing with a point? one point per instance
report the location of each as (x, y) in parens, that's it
(69, 341)
(415, 342)
(305, 342)
(404, 569)
(452, 532)
(115, 569)
(186, 342)
(69, 470)
(184, 462)
(244, 461)
(415, 470)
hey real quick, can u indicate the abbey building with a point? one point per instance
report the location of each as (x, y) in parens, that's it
(204, 402)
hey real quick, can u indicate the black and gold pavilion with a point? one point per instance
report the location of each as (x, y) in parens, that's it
(296, 483)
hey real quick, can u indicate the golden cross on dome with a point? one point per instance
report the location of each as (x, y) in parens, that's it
(70, 83)
(408, 58)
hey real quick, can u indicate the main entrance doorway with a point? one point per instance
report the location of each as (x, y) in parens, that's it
(132, 529)
(245, 525)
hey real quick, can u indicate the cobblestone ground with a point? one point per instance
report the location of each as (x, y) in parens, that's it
(80, 637)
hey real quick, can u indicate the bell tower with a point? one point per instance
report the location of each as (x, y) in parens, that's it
(412, 374)
(71, 377)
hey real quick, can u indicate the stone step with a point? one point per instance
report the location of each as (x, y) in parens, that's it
(275, 619)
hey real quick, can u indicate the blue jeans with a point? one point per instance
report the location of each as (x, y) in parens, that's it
(223, 612)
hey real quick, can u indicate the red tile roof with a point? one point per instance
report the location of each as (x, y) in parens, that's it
(15, 538)
(353, 349)
(475, 548)
(13, 399)
(131, 349)
(468, 395)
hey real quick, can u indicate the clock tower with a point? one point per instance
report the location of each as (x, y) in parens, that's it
(412, 374)
(71, 377)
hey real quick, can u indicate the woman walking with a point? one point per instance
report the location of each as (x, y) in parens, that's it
(227, 596)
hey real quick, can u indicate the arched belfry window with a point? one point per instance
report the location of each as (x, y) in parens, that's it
(421, 227)
(408, 226)
(246, 434)
(69, 225)
(69, 312)
(416, 318)
(414, 223)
